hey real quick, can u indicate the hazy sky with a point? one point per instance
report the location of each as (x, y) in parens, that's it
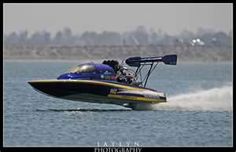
(171, 18)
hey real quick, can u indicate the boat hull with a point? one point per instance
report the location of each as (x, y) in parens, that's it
(99, 92)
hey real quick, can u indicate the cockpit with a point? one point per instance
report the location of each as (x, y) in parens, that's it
(84, 68)
(90, 71)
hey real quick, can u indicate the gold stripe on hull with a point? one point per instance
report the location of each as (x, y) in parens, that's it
(136, 99)
(90, 81)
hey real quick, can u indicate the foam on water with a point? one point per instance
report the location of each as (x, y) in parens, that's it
(215, 99)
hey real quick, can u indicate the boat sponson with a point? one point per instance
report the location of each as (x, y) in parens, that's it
(72, 89)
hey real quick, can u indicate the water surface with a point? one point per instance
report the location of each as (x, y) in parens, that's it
(198, 111)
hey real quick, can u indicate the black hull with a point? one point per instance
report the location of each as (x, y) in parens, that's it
(97, 92)
(62, 88)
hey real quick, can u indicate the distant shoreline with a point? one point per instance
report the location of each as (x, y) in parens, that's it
(91, 53)
(100, 61)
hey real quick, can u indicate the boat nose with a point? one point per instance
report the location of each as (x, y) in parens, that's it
(41, 86)
(35, 84)
(30, 83)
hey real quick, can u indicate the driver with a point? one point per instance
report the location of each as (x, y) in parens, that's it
(122, 75)
(112, 63)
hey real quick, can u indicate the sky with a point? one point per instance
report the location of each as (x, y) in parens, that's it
(171, 18)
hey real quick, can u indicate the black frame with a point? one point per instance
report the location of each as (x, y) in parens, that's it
(138, 72)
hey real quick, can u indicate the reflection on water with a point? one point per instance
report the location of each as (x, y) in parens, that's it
(83, 110)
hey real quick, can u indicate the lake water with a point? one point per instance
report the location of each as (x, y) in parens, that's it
(198, 112)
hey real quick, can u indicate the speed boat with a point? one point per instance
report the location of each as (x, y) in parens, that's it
(108, 83)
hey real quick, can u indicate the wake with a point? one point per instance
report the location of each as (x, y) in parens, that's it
(216, 99)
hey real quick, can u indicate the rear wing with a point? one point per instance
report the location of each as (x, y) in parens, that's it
(137, 61)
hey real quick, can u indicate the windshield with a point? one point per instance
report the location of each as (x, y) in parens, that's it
(86, 68)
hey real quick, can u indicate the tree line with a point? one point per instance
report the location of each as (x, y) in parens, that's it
(139, 36)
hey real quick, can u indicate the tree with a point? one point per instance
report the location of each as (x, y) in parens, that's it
(89, 38)
(141, 35)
